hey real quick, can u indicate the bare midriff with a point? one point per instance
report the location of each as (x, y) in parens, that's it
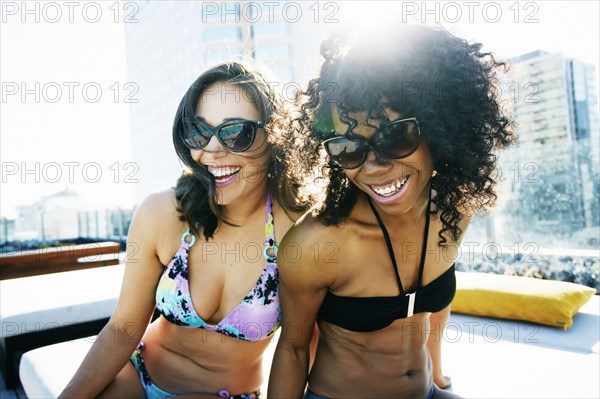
(391, 362)
(181, 360)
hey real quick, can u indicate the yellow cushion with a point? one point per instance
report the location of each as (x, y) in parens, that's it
(549, 302)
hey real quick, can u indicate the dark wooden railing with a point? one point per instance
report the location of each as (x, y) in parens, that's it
(58, 259)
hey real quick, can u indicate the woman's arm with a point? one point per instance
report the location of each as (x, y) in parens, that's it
(303, 285)
(118, 339)
(438, 321)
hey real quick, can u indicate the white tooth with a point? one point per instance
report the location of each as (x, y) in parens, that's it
(223, 171)
(392, 188)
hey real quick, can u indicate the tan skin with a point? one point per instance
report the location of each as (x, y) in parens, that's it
(393, 361)
(437, 322)
(190, 362)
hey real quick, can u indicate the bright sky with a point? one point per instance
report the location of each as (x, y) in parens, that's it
(508, 28)
(75, 133)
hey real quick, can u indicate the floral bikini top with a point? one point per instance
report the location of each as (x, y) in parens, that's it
(255, 318)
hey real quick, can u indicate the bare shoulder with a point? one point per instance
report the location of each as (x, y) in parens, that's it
(307, 230)
(309, 252)
(463, 224)
(447, 254)
(159, 207)
(156, 218)
(158, 204)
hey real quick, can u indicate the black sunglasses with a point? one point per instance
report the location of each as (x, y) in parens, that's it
(237, 135)
(395, 140)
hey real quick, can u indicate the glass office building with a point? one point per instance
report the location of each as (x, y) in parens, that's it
(171, 43)
(552, 174)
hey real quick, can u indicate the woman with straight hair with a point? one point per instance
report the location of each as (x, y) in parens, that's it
(203, 254)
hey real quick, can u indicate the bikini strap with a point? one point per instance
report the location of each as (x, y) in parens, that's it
(388, 242)
(188, 239)
(270, 248)
(425, 236)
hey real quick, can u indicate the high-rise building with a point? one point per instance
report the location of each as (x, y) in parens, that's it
(163, 62)
(555, 105)
(556, 109)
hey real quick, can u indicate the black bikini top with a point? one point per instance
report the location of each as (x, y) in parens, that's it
(366, 314)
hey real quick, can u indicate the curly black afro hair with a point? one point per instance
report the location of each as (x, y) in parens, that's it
(449, 85)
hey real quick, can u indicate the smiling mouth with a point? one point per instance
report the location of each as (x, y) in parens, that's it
(389, 189)
(223, 175)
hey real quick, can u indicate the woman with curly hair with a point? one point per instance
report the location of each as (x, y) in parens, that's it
(205, 254)
(400, 114)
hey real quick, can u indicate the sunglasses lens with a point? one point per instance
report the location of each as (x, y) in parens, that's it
(239, 136)
(345, 153)
(194, 136)
(398, 140)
